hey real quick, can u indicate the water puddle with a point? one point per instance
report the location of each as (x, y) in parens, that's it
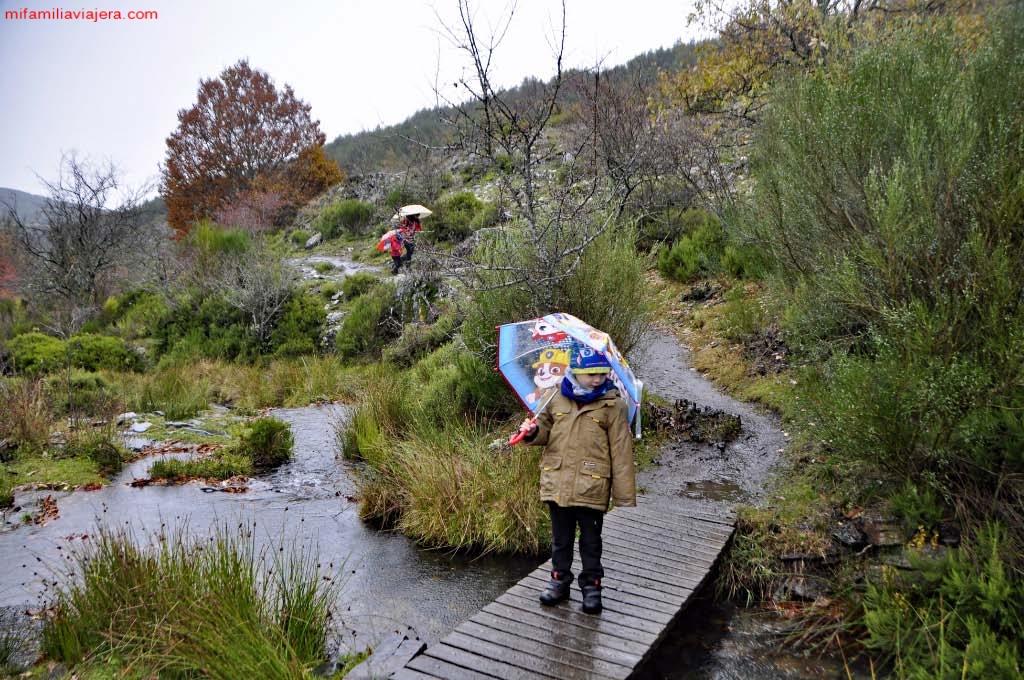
(388, 583)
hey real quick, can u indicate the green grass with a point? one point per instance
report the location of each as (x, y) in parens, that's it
(63, 472)
(179, 607)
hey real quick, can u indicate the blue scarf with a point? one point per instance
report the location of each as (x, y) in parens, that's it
(581, 395)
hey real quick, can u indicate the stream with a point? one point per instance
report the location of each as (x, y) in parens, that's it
(389, 584)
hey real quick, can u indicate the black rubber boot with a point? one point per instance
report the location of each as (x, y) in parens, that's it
(591, 597)
(557, 589)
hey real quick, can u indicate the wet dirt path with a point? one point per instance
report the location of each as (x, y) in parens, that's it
(701, 475)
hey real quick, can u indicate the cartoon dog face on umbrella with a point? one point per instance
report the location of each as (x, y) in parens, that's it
(549, 369)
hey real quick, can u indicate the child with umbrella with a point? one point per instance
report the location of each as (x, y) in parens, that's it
(587, 461)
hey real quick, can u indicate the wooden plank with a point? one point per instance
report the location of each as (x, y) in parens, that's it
(639, 596)
(566, 616)
(542, 659)
(602, 633)
(613, 615)
(678, 539)
(484, 665)
(681, 536)
(433, 667)
(686, 573)
(409, 674)
(566, 646)
(617, 566)
(670, 521)
(724, 516)
(683, 550)
(691, 528)
(656, 611)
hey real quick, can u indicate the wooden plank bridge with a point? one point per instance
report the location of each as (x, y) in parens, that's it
(655, 558)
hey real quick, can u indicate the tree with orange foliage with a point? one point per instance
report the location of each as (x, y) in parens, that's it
(243, 141)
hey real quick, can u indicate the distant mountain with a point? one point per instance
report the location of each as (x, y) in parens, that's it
(389, 148)
(28, 206)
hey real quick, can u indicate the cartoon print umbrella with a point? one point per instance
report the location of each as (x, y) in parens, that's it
(533, 357)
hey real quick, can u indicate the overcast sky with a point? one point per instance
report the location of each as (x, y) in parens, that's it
(111, 90)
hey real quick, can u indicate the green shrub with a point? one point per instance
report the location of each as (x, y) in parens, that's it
(199, 325)
(365, 328)
(35, 353)
(97, 446)
(356, 284)
(399, 196)
(897, 240)
(299, 237)
(961, 617)
(95, 352)
(300, 328)
(453, 219)
(696, 254)
(267, 442)
(350, 216)
(81, 392)
(137, 313)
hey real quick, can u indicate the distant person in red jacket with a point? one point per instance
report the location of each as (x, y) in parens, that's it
(408, 226)
(395, 245)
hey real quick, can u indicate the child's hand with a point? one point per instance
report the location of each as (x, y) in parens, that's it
(528, 427)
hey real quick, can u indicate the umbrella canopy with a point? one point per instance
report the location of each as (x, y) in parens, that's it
(386, 239)
(415, 209)
(533, 357)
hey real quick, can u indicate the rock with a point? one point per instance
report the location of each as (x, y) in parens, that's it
(126, 417)
(314, 240)
(849, 535)
(141, 427)
(883, 531)
(807, 588)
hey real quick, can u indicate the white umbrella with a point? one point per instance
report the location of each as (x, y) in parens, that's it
(414, 209)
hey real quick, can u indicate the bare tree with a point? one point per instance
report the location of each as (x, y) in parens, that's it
(258, 284)
(541, 175)
(91, 225)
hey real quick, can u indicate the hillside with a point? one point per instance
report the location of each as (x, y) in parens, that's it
(28, 206)
(390, 148)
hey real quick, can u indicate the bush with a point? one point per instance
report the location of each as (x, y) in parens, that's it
(199, 325)
(81, 392)
(697, 254)
(300, 328)
(898, 242)
(93, 352)
(350, 216)
(98, 447)
(454, 217)
(356, 284)
(299, 237)
(267, 442)
(365, 328)
(961, 618)
(35, 353)
(26, 415)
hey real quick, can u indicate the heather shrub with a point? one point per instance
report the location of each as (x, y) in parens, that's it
(35, 353)
(349, 216)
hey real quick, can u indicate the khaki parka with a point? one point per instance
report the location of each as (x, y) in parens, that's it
(588, 455)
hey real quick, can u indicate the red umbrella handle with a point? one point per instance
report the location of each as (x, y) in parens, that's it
(521, 433)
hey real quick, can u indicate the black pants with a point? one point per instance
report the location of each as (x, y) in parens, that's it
(396, 263)
(409, 248)
(563, 534)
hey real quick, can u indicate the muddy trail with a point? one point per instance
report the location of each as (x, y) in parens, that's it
(702, 475)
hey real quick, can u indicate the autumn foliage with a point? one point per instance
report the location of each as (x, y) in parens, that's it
(244, 149)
